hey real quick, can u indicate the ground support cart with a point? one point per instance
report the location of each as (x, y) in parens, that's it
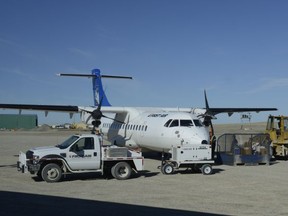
(243, 149)
(194, 157)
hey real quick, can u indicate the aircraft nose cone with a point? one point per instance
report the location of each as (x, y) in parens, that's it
(202, 136)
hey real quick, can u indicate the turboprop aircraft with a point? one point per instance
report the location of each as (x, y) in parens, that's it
(156, 129)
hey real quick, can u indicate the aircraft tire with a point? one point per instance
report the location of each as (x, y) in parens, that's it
(51, 173)
(206, 169)
(167, 169)
(121, 171)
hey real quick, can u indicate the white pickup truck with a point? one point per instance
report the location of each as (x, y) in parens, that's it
(80, 154)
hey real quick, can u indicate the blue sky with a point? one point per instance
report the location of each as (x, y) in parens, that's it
(236, 50)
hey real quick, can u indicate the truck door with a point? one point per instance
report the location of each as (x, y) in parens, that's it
(84, 154)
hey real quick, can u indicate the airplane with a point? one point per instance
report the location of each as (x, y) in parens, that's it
(152, 128)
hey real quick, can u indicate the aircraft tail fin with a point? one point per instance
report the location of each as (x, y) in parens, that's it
(98, 92)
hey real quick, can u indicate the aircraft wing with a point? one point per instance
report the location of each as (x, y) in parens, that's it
(206, 113)
(211, 112)
(230, 111)
(72, 109)
(63, 108)
(56, 108)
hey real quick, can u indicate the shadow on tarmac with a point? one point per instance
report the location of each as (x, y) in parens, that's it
(95, 175)
(14, 203)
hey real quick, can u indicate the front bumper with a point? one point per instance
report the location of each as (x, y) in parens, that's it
(22, 163)
(25, 165)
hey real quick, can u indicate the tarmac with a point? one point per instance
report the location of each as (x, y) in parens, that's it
(230, 190)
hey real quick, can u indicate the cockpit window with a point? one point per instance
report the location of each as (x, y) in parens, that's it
(167, 123)
(186, 123)
(183, 123)
(174, 123)
(197, 123)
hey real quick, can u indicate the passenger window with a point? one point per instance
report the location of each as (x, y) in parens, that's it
(186, 123)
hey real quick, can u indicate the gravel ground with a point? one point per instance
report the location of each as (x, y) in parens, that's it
(231, 190)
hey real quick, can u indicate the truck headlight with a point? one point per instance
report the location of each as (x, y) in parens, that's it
(36, 159)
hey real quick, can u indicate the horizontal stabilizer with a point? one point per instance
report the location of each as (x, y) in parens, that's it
(94, 75)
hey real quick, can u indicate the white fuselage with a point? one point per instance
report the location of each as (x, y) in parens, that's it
(157, 129)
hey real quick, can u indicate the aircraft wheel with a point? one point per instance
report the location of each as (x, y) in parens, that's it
(167, 169)
(206, 169)
(121, 171)
(51, 173)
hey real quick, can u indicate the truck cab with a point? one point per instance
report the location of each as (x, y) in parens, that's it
(80, 154)
(277, 128)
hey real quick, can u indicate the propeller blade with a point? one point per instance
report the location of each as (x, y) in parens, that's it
(97, 114)
(206, 101)
(208, 115)
(113, 119)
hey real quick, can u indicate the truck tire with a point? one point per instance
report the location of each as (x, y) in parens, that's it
(121, 171)
(51, 173)
(206, 169)
(167, 169)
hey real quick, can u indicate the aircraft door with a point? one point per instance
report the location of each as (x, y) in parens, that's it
(84, 154)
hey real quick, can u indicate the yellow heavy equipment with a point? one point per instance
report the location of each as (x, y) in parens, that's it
(277, 128)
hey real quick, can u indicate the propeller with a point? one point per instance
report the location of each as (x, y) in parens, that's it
(97, 114)
(208, 115)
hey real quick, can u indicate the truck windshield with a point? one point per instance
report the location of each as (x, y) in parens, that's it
(67, 142)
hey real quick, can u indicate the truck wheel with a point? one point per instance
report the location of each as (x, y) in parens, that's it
(121, 171)
(167, 169)
(206, 169)
(51, 173)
